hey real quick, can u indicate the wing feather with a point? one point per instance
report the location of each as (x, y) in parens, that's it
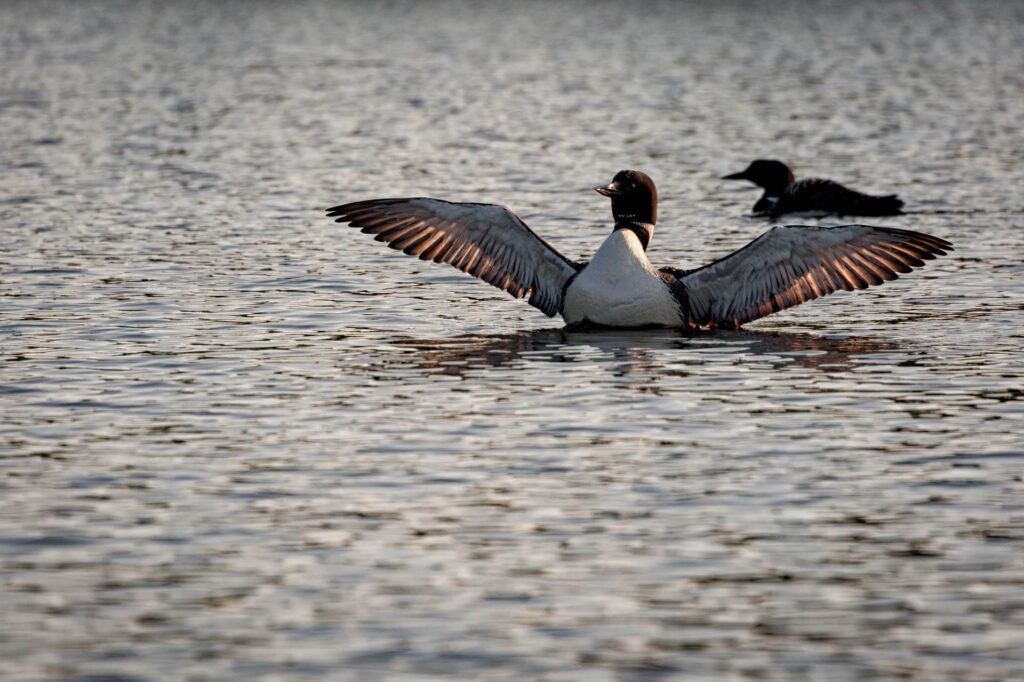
(485, 240)
(789, 265)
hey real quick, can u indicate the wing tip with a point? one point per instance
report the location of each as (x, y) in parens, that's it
(355, 207)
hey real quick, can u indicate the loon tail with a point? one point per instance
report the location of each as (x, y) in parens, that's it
(887, 205)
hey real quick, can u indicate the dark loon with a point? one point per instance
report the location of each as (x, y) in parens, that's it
(814, 196)
(619, 287)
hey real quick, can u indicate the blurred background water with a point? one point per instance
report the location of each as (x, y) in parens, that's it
(237, 439)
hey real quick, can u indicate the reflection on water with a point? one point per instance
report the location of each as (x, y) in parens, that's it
(238, 441)
(626, 353)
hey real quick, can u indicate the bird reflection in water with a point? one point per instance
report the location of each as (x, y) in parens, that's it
(632, 354)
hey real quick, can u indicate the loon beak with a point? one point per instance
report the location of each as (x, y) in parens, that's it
(742, 175)
(609, 190)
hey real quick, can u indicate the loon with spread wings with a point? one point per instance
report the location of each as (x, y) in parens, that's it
(814, 196)
(619, 287)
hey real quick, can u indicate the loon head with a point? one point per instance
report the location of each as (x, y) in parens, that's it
(773, 176)
(634, 197)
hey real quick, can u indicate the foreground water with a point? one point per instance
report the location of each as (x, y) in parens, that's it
(240, 440)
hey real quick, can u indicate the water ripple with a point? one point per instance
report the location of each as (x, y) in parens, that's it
(237, 439)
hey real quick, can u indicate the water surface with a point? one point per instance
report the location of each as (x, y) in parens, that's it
(240, 440)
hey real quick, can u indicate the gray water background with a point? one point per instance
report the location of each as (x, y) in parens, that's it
(240, 441)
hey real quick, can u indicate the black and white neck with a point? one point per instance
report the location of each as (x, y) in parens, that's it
(644, 231)
(634, 203)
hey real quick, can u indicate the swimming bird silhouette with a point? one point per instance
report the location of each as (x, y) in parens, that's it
(783, 194)
(619, 287)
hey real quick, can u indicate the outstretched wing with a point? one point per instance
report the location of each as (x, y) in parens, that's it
(789, 265)
(485, 240)
(815, 194)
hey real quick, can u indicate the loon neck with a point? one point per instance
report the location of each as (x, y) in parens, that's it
(643, 231)
(776, 185)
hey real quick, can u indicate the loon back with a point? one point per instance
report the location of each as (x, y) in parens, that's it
(818, 195)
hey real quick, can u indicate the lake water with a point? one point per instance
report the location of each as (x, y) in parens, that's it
(238, 440)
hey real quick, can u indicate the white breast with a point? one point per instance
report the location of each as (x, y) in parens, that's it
(620, 288)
